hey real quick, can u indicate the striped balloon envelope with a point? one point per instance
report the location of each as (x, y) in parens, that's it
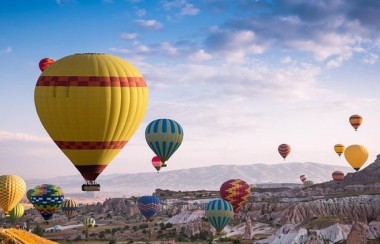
(284, 150)
(47, 199)
(91, 104)
(338, 176)
(148, 206)
(236, 192)
(303, 178)
(219, 212)
(16, 213)
(355, 121)
(339, 149)
(164, 136)
(69, 208)
(89, 222)
(157, 164)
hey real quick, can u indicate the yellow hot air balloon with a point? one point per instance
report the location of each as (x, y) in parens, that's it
(339, 149)
(356, 156)
(355, 121)
(91, 104)
(12, 189)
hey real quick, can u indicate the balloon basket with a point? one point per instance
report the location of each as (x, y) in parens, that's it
(164, 165)
(91, 186)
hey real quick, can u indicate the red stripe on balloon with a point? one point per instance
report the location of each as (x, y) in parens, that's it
(90, 145)
(91, 81)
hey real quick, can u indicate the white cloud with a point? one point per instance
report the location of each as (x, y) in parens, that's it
(18, 136)
(168, 49)
(200, 56)
(286, 60)
(6, 50)
(128, 35)
(149, 24)
(189, 9)
(371, 58)
(119, 50)
(141, 12)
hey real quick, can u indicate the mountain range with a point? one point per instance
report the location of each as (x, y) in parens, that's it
(202, 178)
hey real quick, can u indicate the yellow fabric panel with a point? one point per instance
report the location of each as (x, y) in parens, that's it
(101, 65)
(91, 157)
(91, 113)
(12, 189)
(356, 155)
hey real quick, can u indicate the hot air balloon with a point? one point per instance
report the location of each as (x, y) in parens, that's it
(236, 192)
(148, 206)
(164, 136)
(356, 156)
(47, 199)
(284, 150)
(89, 222)
(156, 162)
(91, 104)
(29, 195)
(338, 176)
(69, 207)
(355, 121)
(219, 212)
(12, 189)
(339, 149)
(16, 213)
(44, 63)
(308, 183)
(303, 178)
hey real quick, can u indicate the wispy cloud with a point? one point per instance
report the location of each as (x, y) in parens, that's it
(6, 50)
(19, 136)
(141, 12)
(149, 24)
(189, 9)
(128, 35)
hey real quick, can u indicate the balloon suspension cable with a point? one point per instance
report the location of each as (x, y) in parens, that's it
(91, 185)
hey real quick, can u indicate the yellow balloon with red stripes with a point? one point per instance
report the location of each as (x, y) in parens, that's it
(91, 104)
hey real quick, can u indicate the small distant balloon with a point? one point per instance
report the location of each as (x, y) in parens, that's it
(338, 176)
(44, 63)
(339, 149)
(356, 120)
(284, 150)
(303, 178)
(156, 162)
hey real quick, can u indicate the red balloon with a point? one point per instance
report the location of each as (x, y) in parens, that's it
(284, 150)
(45, 62)
(156, 162)
(236, 192)
(338, 176)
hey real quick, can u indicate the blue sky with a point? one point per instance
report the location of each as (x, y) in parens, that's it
(241, 77)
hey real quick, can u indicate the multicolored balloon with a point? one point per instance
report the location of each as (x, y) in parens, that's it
(47, 199)
(44, 63)
(148, 206)
(284, 150)
(156, 162)
(91, 104)
(339, 149)
(308, 183)
(236, 192)
(355, 121)
(12, 189)
(69, 208)
(164, 136)
(356, 156)
(89, 222)
(338, 176)
(219, 212)
(303, 178)
(16, 213)
(29, 195)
